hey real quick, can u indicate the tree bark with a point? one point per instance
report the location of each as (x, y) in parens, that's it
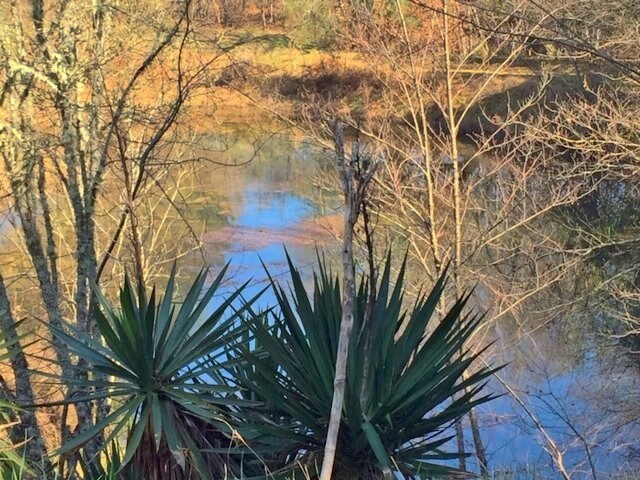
(27, 428)
(458, 215)
(348, 293)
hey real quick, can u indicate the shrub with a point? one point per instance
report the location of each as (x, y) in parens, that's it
(401, 377)
(162, 368)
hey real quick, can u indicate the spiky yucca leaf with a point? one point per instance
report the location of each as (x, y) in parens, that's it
(402, 374)
(161, 366)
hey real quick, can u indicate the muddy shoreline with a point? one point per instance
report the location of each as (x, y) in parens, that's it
(318, 231)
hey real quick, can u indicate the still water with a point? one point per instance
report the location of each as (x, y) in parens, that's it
(269, 207)
(563, 401)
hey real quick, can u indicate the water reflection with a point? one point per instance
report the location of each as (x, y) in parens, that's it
(267, 204)
(578, 405)
(569, 391)
(272, 209)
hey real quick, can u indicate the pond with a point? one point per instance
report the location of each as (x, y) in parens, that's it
(577, 396)
(265, 209)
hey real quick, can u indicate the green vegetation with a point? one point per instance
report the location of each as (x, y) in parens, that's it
(402, 372)
(159, 366)
(314, 23)
(498, 137)
(197, 391)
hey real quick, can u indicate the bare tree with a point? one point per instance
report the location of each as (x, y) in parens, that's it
(76, 124)
(356, 174)
(488, 152)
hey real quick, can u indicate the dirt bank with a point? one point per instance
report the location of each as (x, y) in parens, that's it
(318, 231)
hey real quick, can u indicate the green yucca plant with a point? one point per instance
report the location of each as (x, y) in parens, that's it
(161, 366)
(402, 375)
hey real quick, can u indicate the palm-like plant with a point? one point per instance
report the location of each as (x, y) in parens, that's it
(401, 379)
(161, 366)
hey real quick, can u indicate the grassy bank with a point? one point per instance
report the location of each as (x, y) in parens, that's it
(271, 77)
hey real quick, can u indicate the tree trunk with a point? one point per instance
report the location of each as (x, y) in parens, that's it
(27, 428)
(347, 175)
(458, 215)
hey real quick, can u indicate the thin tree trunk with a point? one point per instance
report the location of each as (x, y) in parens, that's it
(371, 298)
(477, 442)
(458, 219)
(27, 428)
(348, 292)
(356, 175)
(421, 122)
(462, 461)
